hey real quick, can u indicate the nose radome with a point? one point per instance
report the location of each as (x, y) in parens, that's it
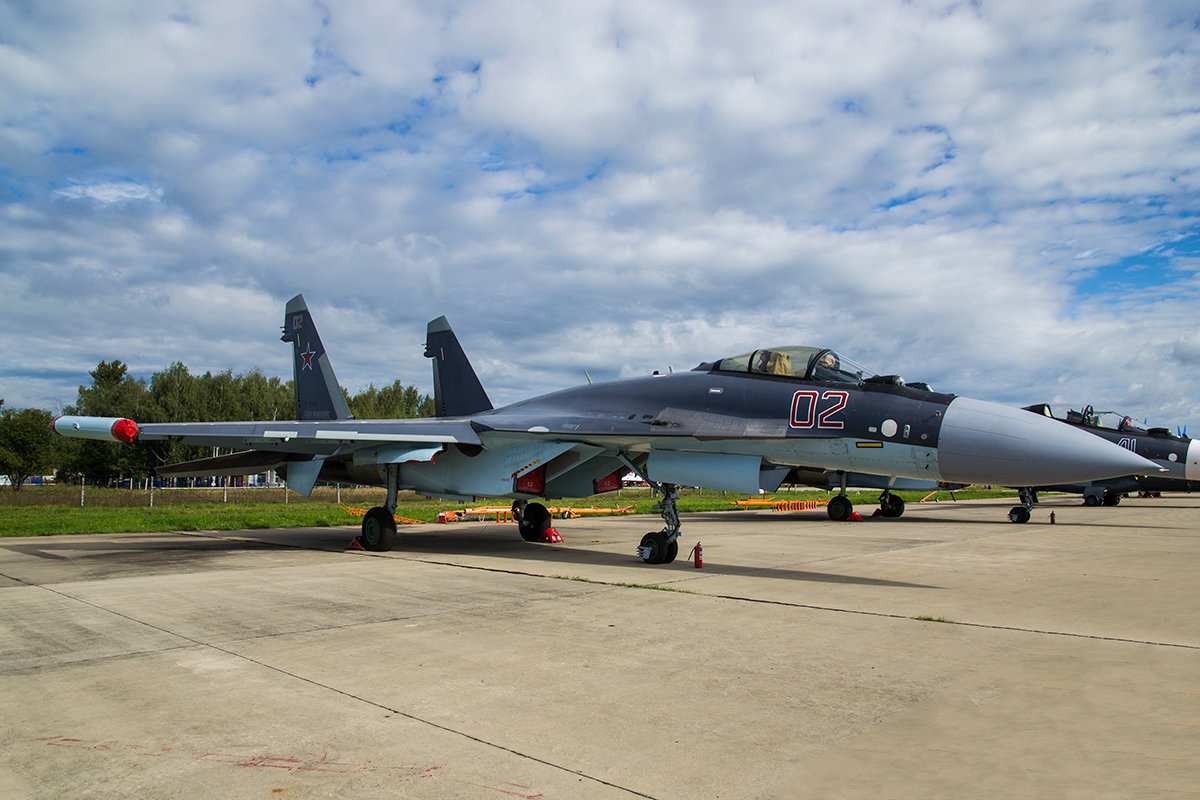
(983, 442)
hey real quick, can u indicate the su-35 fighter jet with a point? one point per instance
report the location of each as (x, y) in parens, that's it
(746, 423)
(1176, 456)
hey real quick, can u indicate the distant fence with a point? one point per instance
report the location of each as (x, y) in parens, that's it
(95, 496)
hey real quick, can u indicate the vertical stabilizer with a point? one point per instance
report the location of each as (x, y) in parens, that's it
(318, 395)
(457, 391)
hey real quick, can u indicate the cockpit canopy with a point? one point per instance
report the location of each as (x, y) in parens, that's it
(1112, 420)
(810, 363)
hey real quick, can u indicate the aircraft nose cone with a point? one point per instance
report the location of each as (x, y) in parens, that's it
(983, 442)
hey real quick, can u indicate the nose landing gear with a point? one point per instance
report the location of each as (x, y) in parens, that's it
(661, 547)
(1020, 514)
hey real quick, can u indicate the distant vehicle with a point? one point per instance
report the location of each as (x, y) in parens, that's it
(1177, 457)
(744, 423)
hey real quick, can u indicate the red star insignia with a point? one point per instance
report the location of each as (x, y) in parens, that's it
(307, 356)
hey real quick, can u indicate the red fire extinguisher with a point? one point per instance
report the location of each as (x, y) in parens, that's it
(698, 554)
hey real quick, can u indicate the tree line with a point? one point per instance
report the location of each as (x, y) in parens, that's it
(29, 448)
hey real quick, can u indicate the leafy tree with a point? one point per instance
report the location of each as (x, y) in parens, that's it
(265, 398)
(395, 401)
(26, 444)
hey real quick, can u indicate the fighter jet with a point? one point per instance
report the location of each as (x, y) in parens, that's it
(743, 423)
(1177, 457)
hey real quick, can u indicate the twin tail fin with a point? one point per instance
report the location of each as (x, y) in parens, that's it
(318, 394)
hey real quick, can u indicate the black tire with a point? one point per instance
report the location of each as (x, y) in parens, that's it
(378, 529)
(892, 506)
(1018, 514)
(672, 552)
(656, 543)
(534, 522)
(1112, 499)
(1091, 500)
(840, 508)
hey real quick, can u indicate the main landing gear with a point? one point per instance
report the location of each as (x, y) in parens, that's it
(892, 505)
(1020, 514)
(661, 547)
(533, 520)
(379, 523)
(840, 508)
(1094, 496)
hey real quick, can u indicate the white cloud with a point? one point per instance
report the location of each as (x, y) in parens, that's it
(109, 193)
(944, 190)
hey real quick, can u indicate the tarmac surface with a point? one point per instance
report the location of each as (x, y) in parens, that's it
(948, 653)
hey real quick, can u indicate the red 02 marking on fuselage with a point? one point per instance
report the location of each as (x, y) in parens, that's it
(804, 409)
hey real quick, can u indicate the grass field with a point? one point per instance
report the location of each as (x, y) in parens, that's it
(47, 510)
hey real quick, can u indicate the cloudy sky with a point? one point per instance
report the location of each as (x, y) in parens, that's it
(1000, 198)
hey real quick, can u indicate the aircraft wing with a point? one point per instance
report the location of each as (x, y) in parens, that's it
(303, 446)
(313, 438)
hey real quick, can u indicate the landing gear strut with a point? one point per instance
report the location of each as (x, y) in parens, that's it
(840, 508)
(379, 524)
(661, 547)
(1020, 514)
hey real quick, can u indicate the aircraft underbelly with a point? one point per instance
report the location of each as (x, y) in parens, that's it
(852, 455)
(724, 471)
(901, 460)
(490, 473)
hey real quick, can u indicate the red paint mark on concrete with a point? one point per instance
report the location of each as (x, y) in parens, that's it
(244, 760)
(285, 763)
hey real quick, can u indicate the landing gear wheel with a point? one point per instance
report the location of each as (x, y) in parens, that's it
(654, 548)
(1112, 499)
(1091, 500)
(378, 529)
(840, 508)
(533, 522)
(1018, 514)
(891, 505)
(672, 552)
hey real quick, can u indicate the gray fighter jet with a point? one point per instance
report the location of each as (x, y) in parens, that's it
(1177, 457)
(746, 423)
